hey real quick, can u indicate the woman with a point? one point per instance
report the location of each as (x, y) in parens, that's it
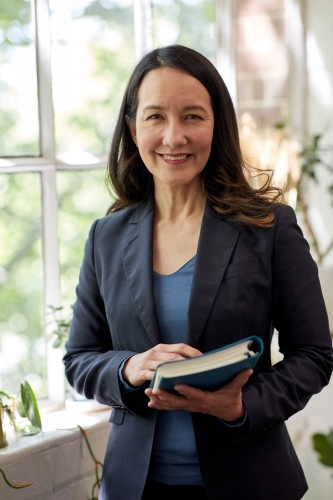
(192, 258)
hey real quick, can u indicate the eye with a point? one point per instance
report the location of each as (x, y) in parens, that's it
(155, 116)
(193, 117)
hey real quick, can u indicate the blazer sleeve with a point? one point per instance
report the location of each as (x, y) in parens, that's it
(300, 317)
(91, 364)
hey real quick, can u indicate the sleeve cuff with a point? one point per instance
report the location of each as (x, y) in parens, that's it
(126, 387)
(240, 422)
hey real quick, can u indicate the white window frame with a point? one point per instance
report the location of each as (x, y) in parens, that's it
(47, 163)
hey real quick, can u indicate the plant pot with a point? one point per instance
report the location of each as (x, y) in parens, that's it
(3, 440)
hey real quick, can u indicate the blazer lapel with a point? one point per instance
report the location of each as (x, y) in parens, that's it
(137, 251)
(216, 244)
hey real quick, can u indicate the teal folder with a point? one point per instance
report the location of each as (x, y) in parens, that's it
(211, 370)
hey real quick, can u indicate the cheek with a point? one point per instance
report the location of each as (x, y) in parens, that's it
(147, 139)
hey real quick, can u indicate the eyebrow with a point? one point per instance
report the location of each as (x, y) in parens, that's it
(191, 107)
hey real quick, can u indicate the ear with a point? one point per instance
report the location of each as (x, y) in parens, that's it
(131, 125)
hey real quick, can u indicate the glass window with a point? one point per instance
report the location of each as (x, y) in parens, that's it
(92, 57)
(22, 348)
(19, 133)
(83, 198)
(187, 22)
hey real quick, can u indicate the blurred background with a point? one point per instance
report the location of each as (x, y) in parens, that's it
(63, 68)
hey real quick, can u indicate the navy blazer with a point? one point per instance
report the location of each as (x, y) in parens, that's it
(247, 281)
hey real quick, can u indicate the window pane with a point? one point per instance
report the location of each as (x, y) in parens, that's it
(92, 57)
(187, 22)
(83, 198)
(19, 134)
(22, 348)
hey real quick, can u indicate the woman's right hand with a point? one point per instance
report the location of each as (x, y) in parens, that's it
(140, 368)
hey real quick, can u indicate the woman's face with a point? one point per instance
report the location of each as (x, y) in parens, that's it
(174, 126)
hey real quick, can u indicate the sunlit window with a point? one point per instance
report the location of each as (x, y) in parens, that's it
(187, 22)
(64, 67)
(19, 134)
(22, 350)
(93, 54)
(83, 198)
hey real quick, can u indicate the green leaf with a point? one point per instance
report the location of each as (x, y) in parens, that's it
(280, 126)
(20, 408)
(323, 444)
(4, 395)
(30, 405)
(59, 308)
(29, 430)
(57, 342)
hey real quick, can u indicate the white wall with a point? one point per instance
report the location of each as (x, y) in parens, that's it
(319, 18)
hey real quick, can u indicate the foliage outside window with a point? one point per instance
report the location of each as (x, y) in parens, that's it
(92, 55)
(18, 81)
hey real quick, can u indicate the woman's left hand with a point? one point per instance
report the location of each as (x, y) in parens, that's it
(225, 403)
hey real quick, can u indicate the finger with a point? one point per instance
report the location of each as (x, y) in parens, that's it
(189, 392)
(165, 404)
(165, 398)
(158, 355)
(158, 406)
(182, 349)
(159, 394)
(240, 380)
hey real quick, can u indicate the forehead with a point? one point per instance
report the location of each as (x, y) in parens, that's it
(164, 86)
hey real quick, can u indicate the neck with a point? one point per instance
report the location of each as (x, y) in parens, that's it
(179, 203)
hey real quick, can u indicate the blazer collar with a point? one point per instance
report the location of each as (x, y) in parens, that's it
(137, 251)
(216, 244)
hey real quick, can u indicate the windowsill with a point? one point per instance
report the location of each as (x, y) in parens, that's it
(56, 460)
(57, 426)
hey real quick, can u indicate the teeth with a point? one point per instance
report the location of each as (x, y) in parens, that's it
(180, 157)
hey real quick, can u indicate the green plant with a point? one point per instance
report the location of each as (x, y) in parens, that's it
(311, 157)
(61, 332)
(98, 464)
(14, 485)
(27, 407)
(323, 445)
(6, 408)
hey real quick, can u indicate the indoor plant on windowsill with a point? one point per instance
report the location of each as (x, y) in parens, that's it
(27, 409)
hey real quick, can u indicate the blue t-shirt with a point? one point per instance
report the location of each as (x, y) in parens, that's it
(174, 456)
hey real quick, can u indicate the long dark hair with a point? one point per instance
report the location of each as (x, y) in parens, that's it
(225, 180)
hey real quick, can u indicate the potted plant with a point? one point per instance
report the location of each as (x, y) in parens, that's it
(27, 408)
(6, 408)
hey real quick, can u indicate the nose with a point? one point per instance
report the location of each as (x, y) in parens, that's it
(174, 134)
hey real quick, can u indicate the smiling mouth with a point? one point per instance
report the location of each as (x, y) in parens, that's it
(172, 157)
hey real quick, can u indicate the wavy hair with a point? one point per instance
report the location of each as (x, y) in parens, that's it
(227, 178)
